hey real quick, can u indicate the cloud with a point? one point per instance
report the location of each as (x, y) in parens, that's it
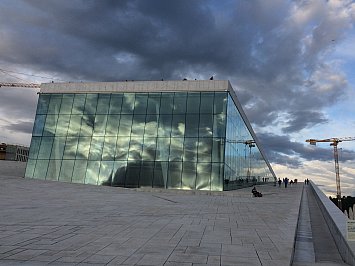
(20, 127)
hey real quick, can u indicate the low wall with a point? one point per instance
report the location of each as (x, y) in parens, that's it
(337, 223)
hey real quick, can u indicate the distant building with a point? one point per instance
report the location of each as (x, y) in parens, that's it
(189, 135)
(13, 152)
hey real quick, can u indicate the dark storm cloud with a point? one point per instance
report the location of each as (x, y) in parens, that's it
(274, 52)
(20, 126)
(281, 150)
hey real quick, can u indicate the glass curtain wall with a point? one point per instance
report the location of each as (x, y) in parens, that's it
(244, 164)
(168, 140)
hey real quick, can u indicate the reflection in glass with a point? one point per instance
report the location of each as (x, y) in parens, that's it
(92, 172)
(66, 170)
(79, 171)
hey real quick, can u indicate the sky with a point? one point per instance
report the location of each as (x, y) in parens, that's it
(291, 64)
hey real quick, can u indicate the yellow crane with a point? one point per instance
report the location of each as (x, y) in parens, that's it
(334, 142)
(20, 85)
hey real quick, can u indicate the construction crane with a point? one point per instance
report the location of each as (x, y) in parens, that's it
(334, 143)
(20, 85)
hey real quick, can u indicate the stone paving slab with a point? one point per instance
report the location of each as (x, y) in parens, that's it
(54, 223)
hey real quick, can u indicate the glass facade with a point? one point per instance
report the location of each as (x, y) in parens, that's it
(178, 140)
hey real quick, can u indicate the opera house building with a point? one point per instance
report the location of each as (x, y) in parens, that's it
(190, 135)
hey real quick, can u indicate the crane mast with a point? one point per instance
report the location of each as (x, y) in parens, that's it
(334, 143)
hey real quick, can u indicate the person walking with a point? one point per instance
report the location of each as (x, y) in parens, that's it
(286, 182)
(279, 182)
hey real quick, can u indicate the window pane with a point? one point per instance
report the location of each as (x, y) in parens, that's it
(166, 104)
(205, 149)
(180, 103)
(192, 125)
(115, 104)
(125, 125)
(206, 125)
(151, 125)
(62, 125)
(219, 129)
(122, 148)
(83, 148)
(188, 175)
(67, 103)
(174, 175)
(54, 104)
(119, 177)
(193, 102)
(203, 179)
(30, 167)
(217, 177)
(92, 172)
(146, 175)
(178, 126)
(96, 146)
(70, 148)
(58, 147)
(220, 102)
(154, 103)
(163, 145)
(190, 149)
(160, 174)
(74, 125)
(109, 149)
(218, 150)
(164, 128)
(106, 173)
(138, 125)
(176, 149)
(132, 173)
(100, 125)
(86, 126)
(206, 106)
(50, 125)
(45, 148)
(135, 148)
(149, 148)
(66, 170)
(34, 148)
(112, 125)
(103, 104)
(79, 103)
(43, 102)
(41, 169)
(128, 103)
(53, 169)
(79, 171)
(90, 103)
(39, 125)
(140, 106)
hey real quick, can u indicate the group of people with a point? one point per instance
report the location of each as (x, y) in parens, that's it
(287, 181)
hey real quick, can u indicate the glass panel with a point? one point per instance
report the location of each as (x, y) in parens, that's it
(190, 149)
(41, 169)
(83, 148)
(203, 179)
(39, 125)
(192, 125)
(90, 103)
(45, 148)
(135, 148)
(220, 102)
(103, 104)
(62, 125)
(58, 148)
(207, 99)
(180, 103)
(70, 148)
(219, 126)
(100, 125)
(188, 175)
(67, 104)
(178, 126)
(149, 148)
(54, 104)
(128, 103)
(79, 103)
(92, 172)
(205, 149)
(119, 177)
(34, 148)
(140, 106)
(138, 125)
(132, 173)
(106, 173)
(125, 125)
(50, 126)
(53, 169)
(166, 104)
(97, 144)
(164, 128)
(163, 145)
(79, 171)
(112, 125)
(160, 174)
(218, 150)
(146, 175)
(176, 149)
(87, 125)
(109, 150)
(151, 125)
(174, 174)
(206, 125)
(154, 103)
(217, 177)
(30, 167)
(43, 102)
(74, 125)
(66, 170)
(122, 148)
(193, 102)
(115, 104)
